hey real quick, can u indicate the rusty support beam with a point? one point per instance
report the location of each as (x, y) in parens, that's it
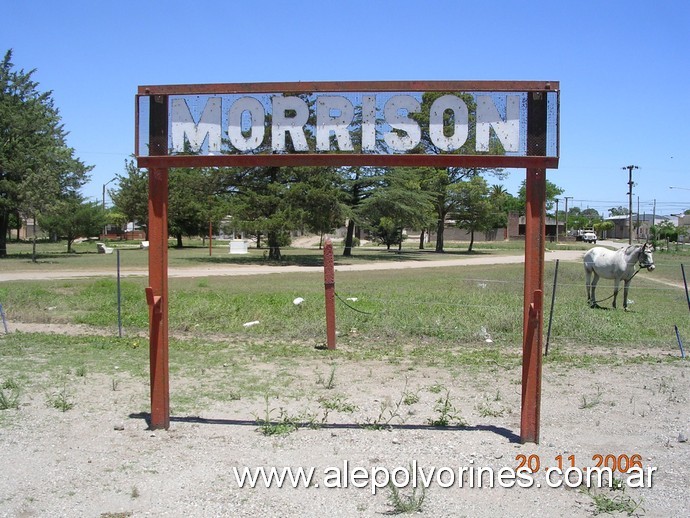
(157, 292)
(157, 298)
(338, 159)
(350, 86)
(329, 284)
(535, 236)
(533, 319)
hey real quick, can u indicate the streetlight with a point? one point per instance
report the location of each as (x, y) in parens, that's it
(106, 183)
(105, 228)
(683, 188)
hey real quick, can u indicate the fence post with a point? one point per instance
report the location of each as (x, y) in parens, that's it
(4, 320)
(119, 297)
(329, 284)
(685, 283)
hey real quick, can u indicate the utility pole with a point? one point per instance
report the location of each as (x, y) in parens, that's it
(630, 190)
(637, 234)
(566, 213)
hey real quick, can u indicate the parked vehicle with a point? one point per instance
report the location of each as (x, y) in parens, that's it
(589, 236)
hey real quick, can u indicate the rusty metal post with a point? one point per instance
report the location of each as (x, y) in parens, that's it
(533, 319)
(329, 284)
(535, 236)
(157, 298)
(157, 292)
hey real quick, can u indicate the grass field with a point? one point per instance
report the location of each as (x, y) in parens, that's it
(413, 357)
(447, 317)
(446, 305)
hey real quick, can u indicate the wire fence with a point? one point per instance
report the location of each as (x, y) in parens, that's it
(459, 305)
(491, 310)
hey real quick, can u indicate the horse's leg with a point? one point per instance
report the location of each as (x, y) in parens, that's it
(626, 286)
(616, 287)
(588, 276)
(594, 287)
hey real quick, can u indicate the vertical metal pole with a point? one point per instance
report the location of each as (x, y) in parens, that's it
(535, 236)
(630, 190)
(553, 300)
(210, 238)
(685, 283)
(157, 292)
(680, 342)
(4, 320)
(119, 297)
(329, 284)
(557, 220)
(533, 320)
(158, 313)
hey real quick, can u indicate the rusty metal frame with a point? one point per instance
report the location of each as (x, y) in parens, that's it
(535, 162)
(339, 159)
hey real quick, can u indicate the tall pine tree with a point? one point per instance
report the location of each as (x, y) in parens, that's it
(36, 165)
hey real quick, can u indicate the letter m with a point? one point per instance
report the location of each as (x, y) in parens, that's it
(186, 130)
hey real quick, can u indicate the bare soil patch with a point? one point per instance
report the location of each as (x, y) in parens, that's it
(99, 457)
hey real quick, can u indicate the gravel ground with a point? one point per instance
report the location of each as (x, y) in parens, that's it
(100, 459)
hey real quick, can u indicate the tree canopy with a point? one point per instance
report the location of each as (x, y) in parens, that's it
(398, 204)
(73, 217)
(553, 191)
(37, 167)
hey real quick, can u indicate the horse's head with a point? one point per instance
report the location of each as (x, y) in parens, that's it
(645, 257)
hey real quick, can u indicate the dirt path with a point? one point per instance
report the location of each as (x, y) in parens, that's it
(234, 270)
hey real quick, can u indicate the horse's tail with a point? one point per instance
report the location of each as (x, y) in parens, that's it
(588, 262)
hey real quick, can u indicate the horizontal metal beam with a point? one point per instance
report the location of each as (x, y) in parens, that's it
(351, 86)
(342, 159)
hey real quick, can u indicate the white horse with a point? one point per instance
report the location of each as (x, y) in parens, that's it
(617, 265)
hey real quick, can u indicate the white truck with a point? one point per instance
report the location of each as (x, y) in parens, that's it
(589, 236)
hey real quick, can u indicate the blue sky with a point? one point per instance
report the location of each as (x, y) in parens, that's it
(623, 68)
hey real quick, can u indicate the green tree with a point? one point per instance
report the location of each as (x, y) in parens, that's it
(358, 183)
(579, 219)
(193, 199)
(73, 217)
(260, 204)
(601, 227)
(273, 201)
(318, 194)
(666, 231)
(501, 201)
(618, 211)
(444, 182)
(15, 223)
(552, 192)
(36, 165)
(475, 210)
(131, 197)
(400, 203)
(193, 202)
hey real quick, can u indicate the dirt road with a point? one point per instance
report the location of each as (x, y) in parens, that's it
(233, 270)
